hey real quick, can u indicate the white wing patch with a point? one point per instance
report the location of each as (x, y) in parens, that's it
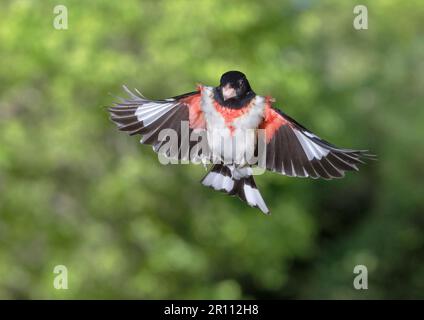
(311, 135)
(312, 150)
(150, 112)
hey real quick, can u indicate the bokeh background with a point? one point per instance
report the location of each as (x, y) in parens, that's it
(76, 192)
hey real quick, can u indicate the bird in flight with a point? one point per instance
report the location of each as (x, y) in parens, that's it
(233, 116)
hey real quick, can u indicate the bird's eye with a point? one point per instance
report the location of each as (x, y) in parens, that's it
(240, 83)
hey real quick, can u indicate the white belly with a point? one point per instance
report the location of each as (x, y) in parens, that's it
(234, 147)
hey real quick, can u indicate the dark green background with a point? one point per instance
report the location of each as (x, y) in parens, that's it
(75, 192)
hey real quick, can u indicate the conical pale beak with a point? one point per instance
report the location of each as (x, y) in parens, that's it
(228, 92)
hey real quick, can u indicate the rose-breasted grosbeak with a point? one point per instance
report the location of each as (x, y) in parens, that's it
(227, 112)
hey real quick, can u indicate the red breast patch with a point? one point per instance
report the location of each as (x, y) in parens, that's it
(272, 121)
(230, 114)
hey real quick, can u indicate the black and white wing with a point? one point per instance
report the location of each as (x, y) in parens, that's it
(295, 151)
(180, 114)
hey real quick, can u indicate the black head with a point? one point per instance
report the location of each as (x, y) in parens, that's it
(234, 90)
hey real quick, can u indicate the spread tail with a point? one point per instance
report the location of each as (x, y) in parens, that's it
(237, 182)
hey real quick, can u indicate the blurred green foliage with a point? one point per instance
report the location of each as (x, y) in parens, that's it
(74, 191)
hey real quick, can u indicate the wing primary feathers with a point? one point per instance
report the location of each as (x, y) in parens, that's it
(139, 115)
(296, 151)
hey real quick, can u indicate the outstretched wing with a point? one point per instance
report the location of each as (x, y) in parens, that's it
(295, 151)
(181, 114)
